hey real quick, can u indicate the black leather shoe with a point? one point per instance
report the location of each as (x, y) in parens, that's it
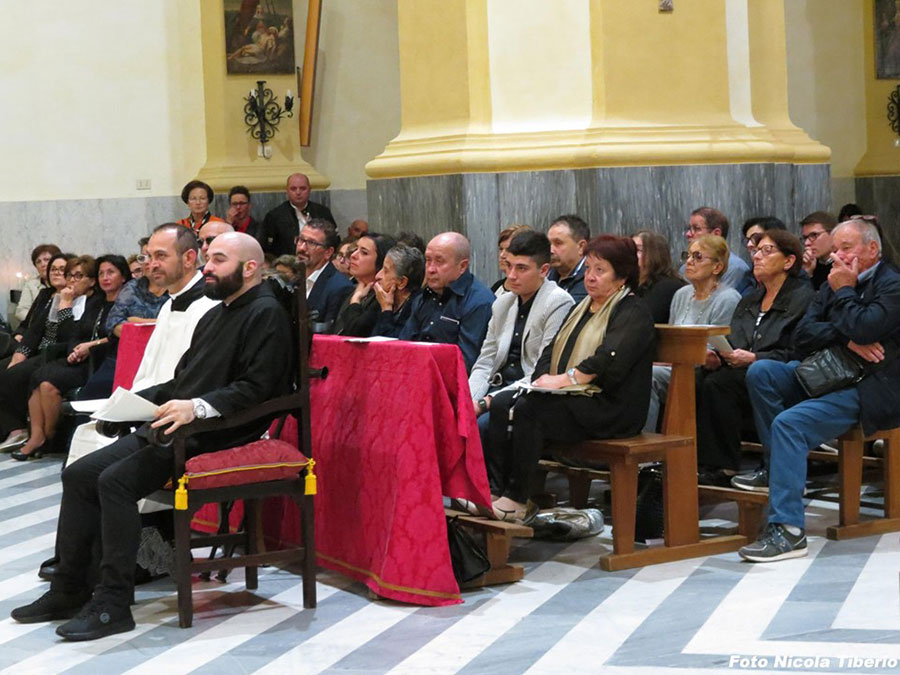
(51, 606)
(97, 619)
(47, 571)
(20, 456)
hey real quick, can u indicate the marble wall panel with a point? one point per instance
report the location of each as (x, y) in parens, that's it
(616, 200)
(880, 195)
(114, 225)
(535, 197)
(427, 205)
(483, 222)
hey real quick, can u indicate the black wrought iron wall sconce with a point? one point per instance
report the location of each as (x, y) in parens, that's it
(893, 112)
(263, 113)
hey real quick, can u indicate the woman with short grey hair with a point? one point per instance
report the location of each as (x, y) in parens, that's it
(399, 279)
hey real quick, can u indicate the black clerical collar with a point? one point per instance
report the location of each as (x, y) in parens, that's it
(249, 296)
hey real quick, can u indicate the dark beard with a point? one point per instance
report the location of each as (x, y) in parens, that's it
(226, 286)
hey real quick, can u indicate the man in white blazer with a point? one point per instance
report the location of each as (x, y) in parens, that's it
(523, 322)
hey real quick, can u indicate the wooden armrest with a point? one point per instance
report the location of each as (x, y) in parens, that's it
(273, 408)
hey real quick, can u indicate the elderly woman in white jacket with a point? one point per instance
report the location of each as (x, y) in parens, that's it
(522, 323)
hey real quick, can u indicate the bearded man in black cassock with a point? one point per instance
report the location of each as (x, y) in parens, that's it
(235, 361)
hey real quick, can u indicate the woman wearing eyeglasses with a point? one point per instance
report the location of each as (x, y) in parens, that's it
(761, 328)
(73, 309)
(88, 346)
(198, 196)
(138, 301)
(705, 301)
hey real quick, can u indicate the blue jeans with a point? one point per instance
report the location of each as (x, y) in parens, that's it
(789, 424)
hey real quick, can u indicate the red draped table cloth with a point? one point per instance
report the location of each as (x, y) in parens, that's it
(393, 429)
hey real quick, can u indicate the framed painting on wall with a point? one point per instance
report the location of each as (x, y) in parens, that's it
(887, 39)
(259, 36)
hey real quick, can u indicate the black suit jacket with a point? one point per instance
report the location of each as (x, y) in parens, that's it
(281, 226)
(328, 294)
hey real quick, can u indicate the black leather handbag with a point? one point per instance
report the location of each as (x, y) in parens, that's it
(467, 557)
(828, 370)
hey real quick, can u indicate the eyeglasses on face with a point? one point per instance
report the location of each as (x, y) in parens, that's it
(143, 258)
(766, 250)
(208, 240)
(697, 256)
(75, 276)
(307, 242)
(695, 230)
(812, 236)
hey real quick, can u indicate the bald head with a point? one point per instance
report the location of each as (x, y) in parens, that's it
(357, 228)
(242, 245)
(234, 266)
(446, 259)
(210, 231)
(298, 190)
(456, 242)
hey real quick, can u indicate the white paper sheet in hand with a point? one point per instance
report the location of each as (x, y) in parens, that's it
(125, 406)
(88, 406)
(721, 344)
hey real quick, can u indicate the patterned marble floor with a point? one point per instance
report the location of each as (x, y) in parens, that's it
(828, 612)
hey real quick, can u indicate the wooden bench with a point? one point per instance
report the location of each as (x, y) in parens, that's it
(851, 462)
(684, 347)
(498, 537)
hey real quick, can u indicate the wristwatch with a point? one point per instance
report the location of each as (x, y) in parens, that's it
(571, 373)
(200, 411)
(482, 405)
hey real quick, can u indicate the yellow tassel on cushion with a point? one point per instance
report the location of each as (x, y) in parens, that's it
(181, 497)
(309, 486)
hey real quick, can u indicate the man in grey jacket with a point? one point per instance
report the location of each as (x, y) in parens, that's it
(522, 324)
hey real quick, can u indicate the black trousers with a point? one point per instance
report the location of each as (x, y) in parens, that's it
(14, 393)
(99, 510)
(722, 409)
(537, 418)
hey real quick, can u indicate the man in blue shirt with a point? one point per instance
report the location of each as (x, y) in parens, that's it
(568, 236)
(455, 307)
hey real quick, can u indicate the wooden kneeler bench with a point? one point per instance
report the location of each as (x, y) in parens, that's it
(751, 506)
(498, 537)
(850, 472)
(684, 347)
(579, 479)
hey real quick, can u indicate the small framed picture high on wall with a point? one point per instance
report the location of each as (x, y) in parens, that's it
(887, 39)
(259, 36)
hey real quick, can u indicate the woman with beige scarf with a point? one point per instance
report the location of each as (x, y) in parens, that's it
(598, 368)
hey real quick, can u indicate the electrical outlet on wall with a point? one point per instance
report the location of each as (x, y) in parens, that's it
(142, 184)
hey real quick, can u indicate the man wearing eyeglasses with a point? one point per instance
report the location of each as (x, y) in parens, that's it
(208, 233)
(326, 287)
(239, 212)
(858, 311)
(283, 223)
(815, 231)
